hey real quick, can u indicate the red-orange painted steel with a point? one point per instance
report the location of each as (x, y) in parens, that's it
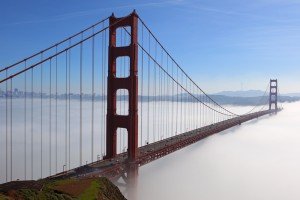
(130, 121)
(273, 94)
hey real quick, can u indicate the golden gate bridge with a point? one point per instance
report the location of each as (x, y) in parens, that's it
(141, 106)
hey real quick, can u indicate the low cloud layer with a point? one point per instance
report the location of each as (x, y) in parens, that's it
(258, 160)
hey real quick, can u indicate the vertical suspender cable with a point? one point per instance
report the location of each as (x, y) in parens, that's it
(105, 83)
(184, 108)
(189, 104)
(177, 102)
(207, 111)
(148, 88)
(181, 106)
(203, 111)
(41, 117)
(123, 98)
(50, 118)
(6, 129)
(154, 96)
(11, 132)
(191, 108)
(214, 113)
(158, 104)
(25, 124)
(190, 111)
(163, 100)
(196, 121)
(80, 146)
(102, 149)
(142, 87)
(161, 97)
(106, 74)
(93, 94)
(200, 109)
(172, 108)
(103, 93)
(69, 94)
(66, 111)
(104, 58)
(31, 124)
(195, 108)
(186, 105)
(198, 115)
(56, 111)
(166, 99)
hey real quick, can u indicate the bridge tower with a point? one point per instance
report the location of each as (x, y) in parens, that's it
(273, 94)
(130, 83)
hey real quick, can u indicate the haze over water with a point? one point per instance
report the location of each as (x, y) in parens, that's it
(256, 161)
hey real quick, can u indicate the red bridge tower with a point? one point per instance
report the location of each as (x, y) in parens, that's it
(130, 121)
(273, 94)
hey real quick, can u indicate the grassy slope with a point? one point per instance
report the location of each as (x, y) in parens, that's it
(67, 189)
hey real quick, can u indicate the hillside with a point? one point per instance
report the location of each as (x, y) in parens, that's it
(66, 189)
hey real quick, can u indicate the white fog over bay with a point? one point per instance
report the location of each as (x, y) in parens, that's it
(257, 160)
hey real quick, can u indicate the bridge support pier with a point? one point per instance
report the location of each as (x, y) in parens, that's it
(130, 121)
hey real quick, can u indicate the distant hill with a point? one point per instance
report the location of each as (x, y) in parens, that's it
(258, 100)
(293, 94)
(250, 97)
(221, 99)
(241, 93)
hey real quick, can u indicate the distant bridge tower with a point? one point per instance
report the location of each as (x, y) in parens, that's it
(273, 94)
(130, 83)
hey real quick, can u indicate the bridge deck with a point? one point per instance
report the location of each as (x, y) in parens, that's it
(117, 166)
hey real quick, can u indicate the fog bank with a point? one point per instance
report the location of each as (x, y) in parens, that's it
(256, 161)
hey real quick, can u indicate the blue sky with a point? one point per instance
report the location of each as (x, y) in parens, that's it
(221, 44)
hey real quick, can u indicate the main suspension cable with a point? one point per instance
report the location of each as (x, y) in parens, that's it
(52, 46)
(223, 108)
